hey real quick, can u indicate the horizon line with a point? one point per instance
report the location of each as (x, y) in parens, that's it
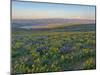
(51, 18)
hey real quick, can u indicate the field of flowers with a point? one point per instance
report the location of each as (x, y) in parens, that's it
(43, 51)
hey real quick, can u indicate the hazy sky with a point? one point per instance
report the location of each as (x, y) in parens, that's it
(32, 10)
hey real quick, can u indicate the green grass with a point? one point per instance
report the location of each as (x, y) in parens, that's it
(45, 51)
(61, 49)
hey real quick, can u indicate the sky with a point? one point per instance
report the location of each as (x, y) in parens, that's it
(33, 10)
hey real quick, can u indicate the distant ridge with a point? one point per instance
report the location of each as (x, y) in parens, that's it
(53, 20)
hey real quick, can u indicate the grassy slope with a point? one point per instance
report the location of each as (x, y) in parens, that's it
(79, 54)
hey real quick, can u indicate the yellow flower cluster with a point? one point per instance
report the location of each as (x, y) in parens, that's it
(85, 50)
